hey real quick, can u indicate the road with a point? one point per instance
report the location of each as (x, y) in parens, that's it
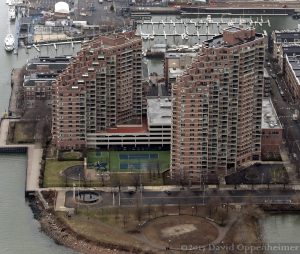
(285, 107)
(190, 197)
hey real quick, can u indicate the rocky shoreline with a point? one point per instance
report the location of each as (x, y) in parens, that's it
(63, 235)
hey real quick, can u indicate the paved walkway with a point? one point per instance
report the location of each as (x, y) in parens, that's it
(16, 82)
(34, 156)
(60, 202)
(290, 167)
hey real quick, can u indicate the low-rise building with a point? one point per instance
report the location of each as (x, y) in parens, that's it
(284, 42)
(292, 75)
(287, 50)
(175, 64)
(39, 74)
(271, 138)
(155, 131)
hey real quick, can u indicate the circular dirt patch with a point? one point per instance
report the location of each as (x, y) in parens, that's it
(180, 230)
(74, 172)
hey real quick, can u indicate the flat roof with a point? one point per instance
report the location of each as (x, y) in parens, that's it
(174, 73)
(287, 34)
(159, 111)
(270, 119)
(294, 61)
(266, 73)
(130, 128)
(218, 41)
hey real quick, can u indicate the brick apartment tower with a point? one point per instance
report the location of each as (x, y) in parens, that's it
(100, 89)
(217, 107)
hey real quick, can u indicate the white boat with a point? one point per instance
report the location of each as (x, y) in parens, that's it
(12, 12)
(145, 36)
(184, 36)
(209, 19)
(9, 42)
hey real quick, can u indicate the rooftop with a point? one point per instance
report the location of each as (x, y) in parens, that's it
(291, 49)
(130, 128)
(287, 34)
(266, 73)
(159, 111)
(175, 72)
(270, 119)
(54, 63)
(231, 37)
(294, 62)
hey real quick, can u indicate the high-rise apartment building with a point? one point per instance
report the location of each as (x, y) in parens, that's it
(217, 106)
(100, 89)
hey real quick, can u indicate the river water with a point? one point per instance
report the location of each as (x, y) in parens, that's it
(19, 232)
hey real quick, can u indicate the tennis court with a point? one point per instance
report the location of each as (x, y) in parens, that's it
(146, 156)
(130, 161)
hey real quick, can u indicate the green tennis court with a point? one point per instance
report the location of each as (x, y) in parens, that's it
(131, 161)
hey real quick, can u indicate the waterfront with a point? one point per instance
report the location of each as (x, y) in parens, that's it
(281, 228)
(20, 233)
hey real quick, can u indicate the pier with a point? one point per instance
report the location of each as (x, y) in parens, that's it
(191, 27)
(34, 156)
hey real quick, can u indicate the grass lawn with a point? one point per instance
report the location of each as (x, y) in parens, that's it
(53, 177)
(93, 225)
(53, 168)
(113, 160)
(71, 155)
(22, 132)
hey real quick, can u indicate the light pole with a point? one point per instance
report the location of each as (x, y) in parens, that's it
(74, 185)
(141, 189)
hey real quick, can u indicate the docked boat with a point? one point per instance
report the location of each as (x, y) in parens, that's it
(12, 12)
(9, 42)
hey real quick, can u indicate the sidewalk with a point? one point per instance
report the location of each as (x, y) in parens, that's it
(60, 202)
(290, 167)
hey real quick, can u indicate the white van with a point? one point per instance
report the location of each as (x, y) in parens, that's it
(100, 1)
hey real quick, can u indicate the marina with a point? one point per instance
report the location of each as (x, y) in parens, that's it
(190, 31)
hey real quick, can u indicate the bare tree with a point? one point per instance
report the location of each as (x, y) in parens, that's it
(179, 207)
(212, 205)
(222, 216)
(136, 180)
(116, 180)
(66, 180)
(125, 219)
(138, 213)
(149, 211)
(117, 214)
(162, 207)
(296, 199)
(252, 212)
